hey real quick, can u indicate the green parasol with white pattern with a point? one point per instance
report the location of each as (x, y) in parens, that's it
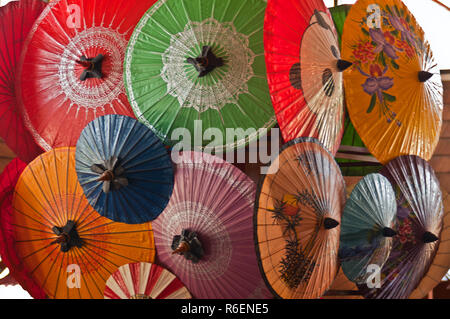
(195, 71)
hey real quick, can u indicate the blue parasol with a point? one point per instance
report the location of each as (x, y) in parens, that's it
(125, 171)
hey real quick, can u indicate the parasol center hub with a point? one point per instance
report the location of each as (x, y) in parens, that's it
(111, 174)
(68, 236)
(343, 65)
(107, 175)
(206, 62)
(188, 245)
(92, 67)
(388, 232)
(203, 61)
(63, 238)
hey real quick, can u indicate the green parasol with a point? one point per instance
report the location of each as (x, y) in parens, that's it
(339, 13)
(353, 156)
(191, 60)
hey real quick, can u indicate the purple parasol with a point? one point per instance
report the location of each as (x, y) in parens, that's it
(419, 224)
(205, 234)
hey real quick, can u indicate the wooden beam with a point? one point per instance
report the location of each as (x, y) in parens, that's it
(356, 157)
(356, 149)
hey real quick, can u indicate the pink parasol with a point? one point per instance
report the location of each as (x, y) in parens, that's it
(205, 234)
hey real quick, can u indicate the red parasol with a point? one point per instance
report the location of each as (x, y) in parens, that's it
(8, 181)
(144, 281)
(71, 66)
(16, 20)
(304, 70)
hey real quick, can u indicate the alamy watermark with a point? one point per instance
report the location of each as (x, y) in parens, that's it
(374, 278)
(73, 276)
(74, 18)
(374, 19)
(215, 141)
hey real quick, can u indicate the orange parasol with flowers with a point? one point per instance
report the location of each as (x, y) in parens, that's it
(393, 89)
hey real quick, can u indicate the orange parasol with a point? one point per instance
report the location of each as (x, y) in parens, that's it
(393, 89)
(70, 249)
(297, 212)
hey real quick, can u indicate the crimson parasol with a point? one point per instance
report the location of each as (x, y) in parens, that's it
(71, 68)
(16, 20)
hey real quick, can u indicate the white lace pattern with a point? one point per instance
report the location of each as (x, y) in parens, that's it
(229, 81)
(219, 256)
(113, 45)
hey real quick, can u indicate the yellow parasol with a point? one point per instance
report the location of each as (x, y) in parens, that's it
(393, 89)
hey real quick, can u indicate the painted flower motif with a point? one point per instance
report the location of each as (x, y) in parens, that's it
(402, 211)
(389, 37)
(376, 82)
(401, 25)
(363, 52)
(403, 45)
(405, 232)
(375, 85)
(383, 43)
(291, 210)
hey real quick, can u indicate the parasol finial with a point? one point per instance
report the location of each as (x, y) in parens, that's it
(62, 238)
(342, 65)
(429, 237)
(111, 174)
(67, 236)
(388, 232)
(424, 76)
(86, 64)
(182, 248)
(107, 175)
(330, 223)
